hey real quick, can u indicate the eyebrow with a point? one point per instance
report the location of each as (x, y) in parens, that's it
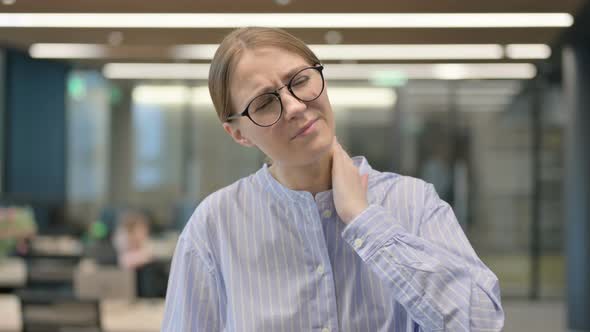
(293, 71)
(288, 75)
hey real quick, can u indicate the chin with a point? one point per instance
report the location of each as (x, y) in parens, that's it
(314, 151)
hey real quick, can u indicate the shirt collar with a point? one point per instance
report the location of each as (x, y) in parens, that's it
(296, 196)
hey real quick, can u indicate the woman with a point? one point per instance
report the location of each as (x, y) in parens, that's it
(316, 241)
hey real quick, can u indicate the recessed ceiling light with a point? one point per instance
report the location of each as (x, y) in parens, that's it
(115, 38)
(333, 37)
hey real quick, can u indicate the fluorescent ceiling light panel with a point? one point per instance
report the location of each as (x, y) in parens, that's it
(361, 97)
(175, 95)
(200, 96)
(196, 52)
(407, 52)
(443, 71)
(68, 51)
(283, 20)
(528, 51)
(324, 52)
(160, 94)
(370, 52)
(156, 71)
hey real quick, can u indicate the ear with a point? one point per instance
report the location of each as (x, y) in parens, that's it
(236, 134)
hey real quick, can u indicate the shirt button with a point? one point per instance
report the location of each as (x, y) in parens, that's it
(357, 243)
(327, 214)
(325, 329)
(320, 269)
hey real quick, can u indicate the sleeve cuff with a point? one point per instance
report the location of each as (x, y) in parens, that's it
(370, 230)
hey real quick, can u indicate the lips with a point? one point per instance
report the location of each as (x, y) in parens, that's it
(304, 128)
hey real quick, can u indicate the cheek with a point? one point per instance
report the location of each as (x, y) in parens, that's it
(324, 103)
(278, 136)
(253, 133)
(270, 140)
(326, 110)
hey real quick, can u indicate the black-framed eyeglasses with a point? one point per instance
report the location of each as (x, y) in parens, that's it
(266, 109)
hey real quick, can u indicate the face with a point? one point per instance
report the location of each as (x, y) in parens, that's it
(138, 235)
(264, 70)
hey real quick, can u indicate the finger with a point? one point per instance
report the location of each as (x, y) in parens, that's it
(341, 150)
(344, 152)
(365, 182)
(338, 152)
(335, 146)
(335, 156)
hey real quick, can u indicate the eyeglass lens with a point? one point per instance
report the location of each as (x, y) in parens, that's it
(307, 85)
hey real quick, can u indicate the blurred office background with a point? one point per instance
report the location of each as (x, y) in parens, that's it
(109, 140)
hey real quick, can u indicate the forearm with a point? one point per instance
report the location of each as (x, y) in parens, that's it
(439, 289)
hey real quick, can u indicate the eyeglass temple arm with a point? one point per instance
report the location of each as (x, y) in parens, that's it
(233, 117)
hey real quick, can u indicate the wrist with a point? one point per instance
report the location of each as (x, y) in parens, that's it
(355, 212)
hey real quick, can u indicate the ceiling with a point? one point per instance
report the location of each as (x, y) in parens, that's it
(140, 44)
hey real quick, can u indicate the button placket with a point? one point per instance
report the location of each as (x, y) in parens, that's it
(323, 273)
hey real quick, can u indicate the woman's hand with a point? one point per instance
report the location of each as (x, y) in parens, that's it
(348, 186)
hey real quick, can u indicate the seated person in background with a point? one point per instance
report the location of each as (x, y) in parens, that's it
(130, 240)
(17, 225)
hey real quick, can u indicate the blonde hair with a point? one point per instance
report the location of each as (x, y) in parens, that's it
(230, 50)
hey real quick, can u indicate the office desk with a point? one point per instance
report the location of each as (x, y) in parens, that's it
(10, 311)
(163, 247)
(57, 309)
(131, 316)
(13, 272)
(56, 246)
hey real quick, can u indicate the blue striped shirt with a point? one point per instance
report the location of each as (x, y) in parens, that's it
(257, 256)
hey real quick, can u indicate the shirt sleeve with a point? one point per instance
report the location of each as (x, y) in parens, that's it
(433, 272)
(192, 301)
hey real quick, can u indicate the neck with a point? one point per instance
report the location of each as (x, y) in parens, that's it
(315, 177)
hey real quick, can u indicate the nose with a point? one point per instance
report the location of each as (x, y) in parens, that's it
(292, 107)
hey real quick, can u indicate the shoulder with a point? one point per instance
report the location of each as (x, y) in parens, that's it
(405, 196)
(390, 183)
(220, 202)
(202, 228)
